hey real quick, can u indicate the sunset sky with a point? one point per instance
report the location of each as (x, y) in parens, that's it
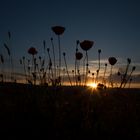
(114, 25)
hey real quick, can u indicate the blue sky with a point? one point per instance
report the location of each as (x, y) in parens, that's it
(114, 25)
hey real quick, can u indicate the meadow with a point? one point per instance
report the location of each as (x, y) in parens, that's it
(68, 112)
(43, 106)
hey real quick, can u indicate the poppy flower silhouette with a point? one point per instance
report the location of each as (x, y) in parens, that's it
(79, 55)
(32, 51)
(86, 44)
(112, 60)
(58, 30)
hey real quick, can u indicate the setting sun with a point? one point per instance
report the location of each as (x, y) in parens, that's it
(93, 85)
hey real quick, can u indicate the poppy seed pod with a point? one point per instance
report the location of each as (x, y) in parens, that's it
(112, 60)
(64, 53)
(86, 44)
(133, 68)
(128, 60)
(99, 51)
(119, 73)
(48, 49)
(58, 30)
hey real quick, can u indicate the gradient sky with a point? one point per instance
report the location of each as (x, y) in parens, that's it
(114, 25)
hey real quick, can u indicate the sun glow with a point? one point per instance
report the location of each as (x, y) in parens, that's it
(93, 85)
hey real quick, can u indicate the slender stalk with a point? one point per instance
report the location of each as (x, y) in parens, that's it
(99, 60)
(59, 74)
(130, 82)
(75, 71)
(76, 50)
(11, 57)
(50, 63)
(24, 68)
(99, 52)
(73, 76)
(124, 77)
(78, 73)
(53, 58)
(2, 68)
(111, 82)
(93, 80)
(86, 68)
(103, 81)
(129, 77)
(39, 73)
(97, 76)
(67, 69)
(34, 71)
(43, 62)
(29, 71)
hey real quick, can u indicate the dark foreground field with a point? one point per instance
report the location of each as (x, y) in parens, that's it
(68, 112)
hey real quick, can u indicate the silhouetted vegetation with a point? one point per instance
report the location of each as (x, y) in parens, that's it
(44, 104)
(38, 73)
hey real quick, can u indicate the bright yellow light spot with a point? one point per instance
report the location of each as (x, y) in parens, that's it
(93, 85)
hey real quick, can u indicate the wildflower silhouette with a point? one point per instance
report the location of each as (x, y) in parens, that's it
(78, 56)
(130, 82)
(97, 73)
(104, 82)
(36, 69)
(64, 54)
(93, 80)
(2, 62)
(129, 77)
(44, 49)
(50, 66)
(33, 52)
(23, 60)
(53, 59)
(112, 61)
(76, 50)
(10, 53)
(10, 59)
(1, 59)
(125, 74)
(99, 52)
(59, 30)
(86, 45)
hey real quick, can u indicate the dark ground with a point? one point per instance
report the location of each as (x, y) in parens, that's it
(68, 112)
